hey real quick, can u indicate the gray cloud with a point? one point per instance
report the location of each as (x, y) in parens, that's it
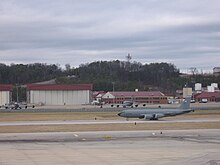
(183, 32)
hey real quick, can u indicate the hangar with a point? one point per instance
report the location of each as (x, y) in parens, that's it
(59, 94)
(5, 94)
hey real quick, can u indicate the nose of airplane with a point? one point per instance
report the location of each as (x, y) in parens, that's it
(119, 114)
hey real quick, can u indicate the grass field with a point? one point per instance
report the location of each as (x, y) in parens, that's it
(44, 116)
(12, 117)
(108, 127)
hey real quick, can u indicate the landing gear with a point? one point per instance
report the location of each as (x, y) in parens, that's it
(154, 119)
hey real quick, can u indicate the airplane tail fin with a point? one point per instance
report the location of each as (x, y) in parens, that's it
(186, 103)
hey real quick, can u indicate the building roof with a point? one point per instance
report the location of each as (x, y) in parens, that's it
(209, 95)
(60, 86)
(216, 70)
(137, 94)
(96, 93)
(6, 87)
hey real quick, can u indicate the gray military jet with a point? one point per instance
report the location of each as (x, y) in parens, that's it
(155, 114)
(126, 104)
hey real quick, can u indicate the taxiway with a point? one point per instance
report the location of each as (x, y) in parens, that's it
(112, 147)
(68, 122)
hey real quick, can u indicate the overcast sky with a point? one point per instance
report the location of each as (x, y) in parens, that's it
(183, 32)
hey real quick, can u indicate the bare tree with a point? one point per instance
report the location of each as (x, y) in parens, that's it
(193, 70)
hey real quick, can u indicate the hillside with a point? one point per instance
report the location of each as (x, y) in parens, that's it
(104, 75)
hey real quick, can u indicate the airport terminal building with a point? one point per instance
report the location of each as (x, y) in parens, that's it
(5, 94)
(59, 94)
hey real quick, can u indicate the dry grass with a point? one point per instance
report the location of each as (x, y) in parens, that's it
(45, 116)
(109, 127)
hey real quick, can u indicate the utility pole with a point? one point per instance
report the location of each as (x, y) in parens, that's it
(128, 63)
(128, 57)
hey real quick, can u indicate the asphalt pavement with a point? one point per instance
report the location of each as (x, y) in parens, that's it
(197, 147)
(88, 122)
(108, 108)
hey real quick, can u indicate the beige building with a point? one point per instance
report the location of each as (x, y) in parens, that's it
(5, 94)
(187, 92)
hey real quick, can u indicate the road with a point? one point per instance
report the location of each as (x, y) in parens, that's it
(107, 108)
(114, 147)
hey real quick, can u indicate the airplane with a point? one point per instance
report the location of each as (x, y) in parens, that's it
(155, 114)
(126, 104)
(16, 106)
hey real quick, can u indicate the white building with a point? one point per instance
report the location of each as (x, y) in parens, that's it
(210, 89)
(5, 94)
(215, 85)
(59, 94)
(198, 87)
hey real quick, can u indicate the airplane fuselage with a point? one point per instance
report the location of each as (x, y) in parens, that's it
(152, 113)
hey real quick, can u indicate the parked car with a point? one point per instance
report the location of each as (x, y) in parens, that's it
(204, 101)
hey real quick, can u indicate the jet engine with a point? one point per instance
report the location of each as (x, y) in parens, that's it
(151, 116)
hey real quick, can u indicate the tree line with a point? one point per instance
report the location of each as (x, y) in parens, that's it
(30, 73)
(123, 75)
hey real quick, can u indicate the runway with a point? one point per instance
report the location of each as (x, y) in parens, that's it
(198, 135)
(68, 122)
(112, 147)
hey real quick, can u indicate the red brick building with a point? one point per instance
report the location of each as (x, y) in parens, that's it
(210, 96)
(153, 97)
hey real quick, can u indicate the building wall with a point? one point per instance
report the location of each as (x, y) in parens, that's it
(119, 98)
(60, 97)
(187, 92)
(198, 87)
(210, 89)
(153, 100)
(148, 100)
(108, 98)
(4, 97)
